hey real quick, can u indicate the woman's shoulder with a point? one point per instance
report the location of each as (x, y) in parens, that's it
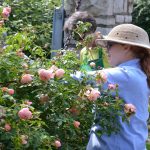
(124, 74)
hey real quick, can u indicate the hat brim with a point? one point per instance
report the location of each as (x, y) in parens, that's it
(103, 42)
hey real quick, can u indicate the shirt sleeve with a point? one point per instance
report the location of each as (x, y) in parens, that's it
(118, 76)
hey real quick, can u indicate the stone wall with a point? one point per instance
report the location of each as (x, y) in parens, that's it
(108, 13)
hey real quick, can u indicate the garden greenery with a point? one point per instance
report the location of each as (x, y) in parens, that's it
(34, 18)
(141, 14)
(42, 105)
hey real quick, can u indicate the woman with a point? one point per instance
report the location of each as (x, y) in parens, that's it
(129, 54)
(92, 54)
(89, 53)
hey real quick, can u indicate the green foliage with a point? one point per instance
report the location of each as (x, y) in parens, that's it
(141, 14)
(34, 18)
(53, 115)
(38, 107)
(148, 146)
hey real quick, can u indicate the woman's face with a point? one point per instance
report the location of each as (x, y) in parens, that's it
(118, 53)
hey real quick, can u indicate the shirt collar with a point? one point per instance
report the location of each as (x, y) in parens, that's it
(133, 62)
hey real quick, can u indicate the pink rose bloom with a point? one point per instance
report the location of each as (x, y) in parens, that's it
(76, 124)
(101, 77)
(112, 86)
(92, 64)
(7, 127)
(59, 73)
(25, 113)
(6, 11)
(26, 78)
(57, 144)
(11, 91)
(129, 109)
(94, 95)
(45, 75)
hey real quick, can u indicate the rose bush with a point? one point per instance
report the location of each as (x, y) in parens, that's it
(43, 107)
(34, 18)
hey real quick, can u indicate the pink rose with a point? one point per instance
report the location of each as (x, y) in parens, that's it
(93, 94)
(11, 91)
(101, 77)
(92, 64)
(7, 127)
(57, 144)
(25, 113)
(45, 75)
(76, 124)
(26, 78)
(112, 86)
(129, 109)
(6, 11)
(59, 73)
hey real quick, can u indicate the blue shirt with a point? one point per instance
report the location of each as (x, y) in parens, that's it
(133, 88)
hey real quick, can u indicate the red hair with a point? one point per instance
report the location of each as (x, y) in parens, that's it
(144, 56)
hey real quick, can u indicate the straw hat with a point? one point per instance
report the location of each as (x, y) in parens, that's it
(127, 34)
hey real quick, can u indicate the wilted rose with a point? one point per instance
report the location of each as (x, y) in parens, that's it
(129, 109)
(24, 139)
(53, 68)
(27, 102)
(4, 89)
(101, 77)
(1, 23)
(74, 111)
(43, 98)
(25, 66)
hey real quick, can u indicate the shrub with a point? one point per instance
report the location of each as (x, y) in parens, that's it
(141, 14)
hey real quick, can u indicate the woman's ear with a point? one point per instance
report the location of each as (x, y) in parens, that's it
(128, 51)
(127, 47)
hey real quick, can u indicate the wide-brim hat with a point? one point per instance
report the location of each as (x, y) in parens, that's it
(126, 34)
